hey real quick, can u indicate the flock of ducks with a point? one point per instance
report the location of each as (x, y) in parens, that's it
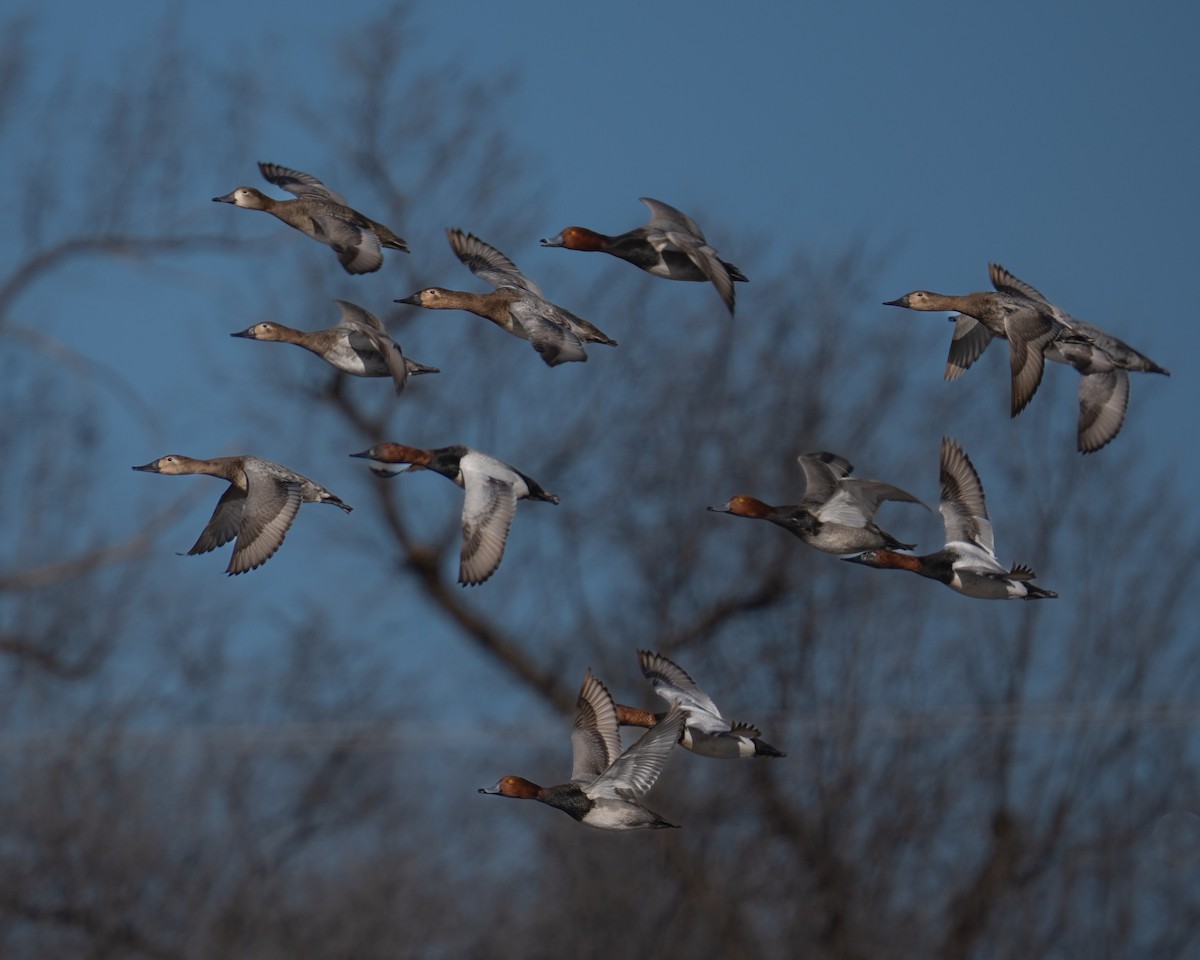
(835, 515)
(607, 785)
(1036, 331)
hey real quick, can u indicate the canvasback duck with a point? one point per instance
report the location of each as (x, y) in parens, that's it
(705, 731)
(1102, 361)
(837, 512)
(669, 245)
(1024, 322)
(258, 508)
(606, 786)
(515, 305)
(357, 344)
(491, 487)
(967, 563)
(320, 213)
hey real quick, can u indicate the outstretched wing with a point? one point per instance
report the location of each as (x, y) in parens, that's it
(962, 506)
(488, 263)
(672, 683)
(223, 525)
(970, 339)
(555, 343)
(1005, 282)
(489, 505)
(637, 769)
(298, 183)
(665, 217)
(366, 325)
(1103, 398)
(857, 501)
(595, 738)
(1028, 334)
(271, 506)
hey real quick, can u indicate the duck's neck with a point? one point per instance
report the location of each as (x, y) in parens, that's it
(290, 335)
(227, 468)
(493, 306)
(585, 239)
(963, 303)
(891, 560)
(635, 716)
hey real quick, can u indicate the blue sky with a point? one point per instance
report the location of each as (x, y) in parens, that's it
(1057, 140)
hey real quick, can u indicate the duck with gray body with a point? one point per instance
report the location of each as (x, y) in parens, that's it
(607, 785)
(358, 344)
(491, 490)
(1028, 324)
(669, 245)
(516, 304)
(322, 215)
(967, 562)
(837, 514)
(1102, 360)
(258, 508)
(705, 732)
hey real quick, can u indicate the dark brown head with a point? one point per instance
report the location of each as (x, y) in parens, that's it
(386, 455)
(395, 453)
(577, 238)
(744, 506)
(516, 787)
(887, 559)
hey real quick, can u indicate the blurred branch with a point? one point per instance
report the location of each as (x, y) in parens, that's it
(26, 650)
(834, 877)
(58, 352)
(759, 596)
(425, 564)
(107, 936)
(996, 878)
(30, 270)
(34, 578)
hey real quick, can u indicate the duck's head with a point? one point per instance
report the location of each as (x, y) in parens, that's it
(245, 197)
(918, 300)
(576, 238)
(888, 560)
(261, 331)
(388, 456)
(517, 787)
(171, 464)
(744, 506)
(432, 297)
